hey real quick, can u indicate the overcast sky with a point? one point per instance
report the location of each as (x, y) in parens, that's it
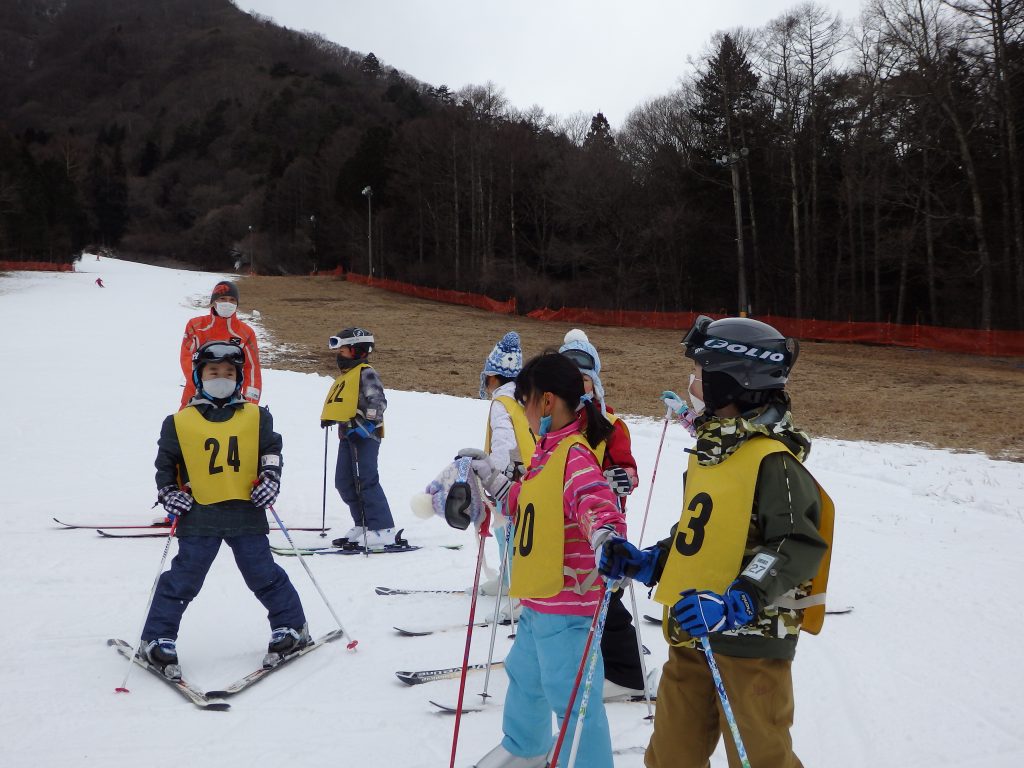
(565, 55)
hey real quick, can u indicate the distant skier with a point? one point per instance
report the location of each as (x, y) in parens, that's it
(356, 403)
(221, 324)
(228, 457)
(99, 282)
(747, 564)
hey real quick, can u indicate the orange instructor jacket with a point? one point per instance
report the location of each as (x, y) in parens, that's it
(213, 327)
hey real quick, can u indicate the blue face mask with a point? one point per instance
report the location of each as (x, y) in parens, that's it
(545, 425)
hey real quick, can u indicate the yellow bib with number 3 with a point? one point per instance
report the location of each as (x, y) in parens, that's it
(222, 458)
(343, 397)
(712, 533)
(539, 551)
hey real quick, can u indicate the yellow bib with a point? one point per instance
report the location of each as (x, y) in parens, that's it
(525, 439)
(221, 458)
(712, 533)
(343, 397)
(602, 447)
(538, 556)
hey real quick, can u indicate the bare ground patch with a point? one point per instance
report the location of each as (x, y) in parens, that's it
(846, 391)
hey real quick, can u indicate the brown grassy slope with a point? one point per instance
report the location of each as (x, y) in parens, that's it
(848, 391)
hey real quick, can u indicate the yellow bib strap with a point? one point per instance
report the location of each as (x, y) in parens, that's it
(221, 458)
(343, 396)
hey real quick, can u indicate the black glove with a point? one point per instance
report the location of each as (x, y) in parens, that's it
(618, 478)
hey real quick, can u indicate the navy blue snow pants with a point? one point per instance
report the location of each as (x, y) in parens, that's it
(375, 503)
(179, 585)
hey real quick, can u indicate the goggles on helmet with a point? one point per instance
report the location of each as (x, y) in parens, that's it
(698, 334)
(579, 358)
(337, 342)
(216, 352)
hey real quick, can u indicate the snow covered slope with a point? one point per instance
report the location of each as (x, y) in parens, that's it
(925, 671)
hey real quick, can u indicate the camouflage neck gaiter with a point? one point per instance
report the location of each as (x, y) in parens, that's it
(718, 438)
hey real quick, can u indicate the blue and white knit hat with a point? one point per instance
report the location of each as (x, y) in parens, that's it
(506, 359)
(577, 340)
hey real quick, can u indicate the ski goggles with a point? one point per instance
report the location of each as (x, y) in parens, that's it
(582, 360)
(698, 334)
(336, 342)
(220, 352)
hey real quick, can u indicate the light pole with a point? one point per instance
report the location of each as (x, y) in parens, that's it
(368, 194)
(252, 251)
(732, 161)
(312, 225)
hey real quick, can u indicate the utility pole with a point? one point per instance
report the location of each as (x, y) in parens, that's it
(732, 161)
(368, 194)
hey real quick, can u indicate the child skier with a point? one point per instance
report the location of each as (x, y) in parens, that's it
(564, 510)
(356, 403)
(221, 324)
(747, 564)
(221, 447)
(623, 669)
(508, 440)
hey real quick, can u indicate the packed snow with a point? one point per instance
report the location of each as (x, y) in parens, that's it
(924, 672)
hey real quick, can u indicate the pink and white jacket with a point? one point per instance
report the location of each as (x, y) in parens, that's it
(588, 504)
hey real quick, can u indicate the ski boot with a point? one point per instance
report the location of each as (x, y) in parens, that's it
(284, 642)
(163, 655)
(499, 757)
(353, 538)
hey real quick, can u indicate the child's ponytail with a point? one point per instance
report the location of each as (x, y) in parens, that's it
(598, 427)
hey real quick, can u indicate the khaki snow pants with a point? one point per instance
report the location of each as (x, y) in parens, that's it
(689, 719)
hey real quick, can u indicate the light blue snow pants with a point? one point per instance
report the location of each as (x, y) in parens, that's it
(541, 670)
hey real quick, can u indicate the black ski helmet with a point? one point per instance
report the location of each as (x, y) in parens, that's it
(217, 352)
(742, 360)
(360, 339)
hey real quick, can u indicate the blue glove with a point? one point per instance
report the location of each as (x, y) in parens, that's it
(704, 612)
(174, 500)
(360, 427)
(674, 402)
(620, 559)
(264, 494)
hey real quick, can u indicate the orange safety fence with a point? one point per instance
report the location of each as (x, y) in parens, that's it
(436, 294)
(963, 340)
(35, 266)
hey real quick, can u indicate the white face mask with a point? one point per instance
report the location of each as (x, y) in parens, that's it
(219, 389)
(224, 308)
(696, 402)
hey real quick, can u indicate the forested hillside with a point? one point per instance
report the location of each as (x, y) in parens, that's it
(808, 168)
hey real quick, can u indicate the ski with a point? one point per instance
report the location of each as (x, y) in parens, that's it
(259, 674)
(289, 552)
(452, 709)
(146, 527)
(107, 535)
(387, 591)
(430, 675)
(447, 628)
(186, 689)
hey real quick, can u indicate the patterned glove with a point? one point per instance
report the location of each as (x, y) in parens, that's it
(264, 494)
(620, 481)
(674, 402)
(704, 612)
(620, 559)
(494, 481)
(174, 500)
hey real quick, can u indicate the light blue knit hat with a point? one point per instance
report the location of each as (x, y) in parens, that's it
(577, 340)
(506, 359)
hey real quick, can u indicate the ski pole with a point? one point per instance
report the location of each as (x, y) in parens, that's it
(720, 687)
(590, 651)
(640, 650)
(654, 476)
(484, 533)
(323, 513)
(497, 609)
(280, 523)
(149, 604)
